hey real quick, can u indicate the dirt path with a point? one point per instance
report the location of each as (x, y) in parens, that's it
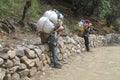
(100, 64)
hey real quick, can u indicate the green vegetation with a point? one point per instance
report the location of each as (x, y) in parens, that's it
(11, 8)
(14, 9)
(106, 9)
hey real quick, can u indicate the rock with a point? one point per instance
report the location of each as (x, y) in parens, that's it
(44, 68)
(65, 56)
(30, 53)
(48, 59)
(7, 77)
(4, 50)
(43, 57)
(29, 62)
(38, 51)
(24, 59)
(68, 53)
(2, 73)
(9, 64)
(39, 64)
(1, 61)
(25, 78)
(12, 70)
(73, 41)
(42, 47)
(3, 55)
(36, 41)
(63, 50)
(15, 76)
(22, 66)
(78, 51)
(73, 50)
(20, 53)
(1, 46)
(60, 56)
(33, 71)
(61, 43)
(11, 54)
(83, 49)
(46, 47)
(20, 47)
(16, 61)
(69, 46)
(24, 73)
(58, 50)
(44, 62)
(30, 46)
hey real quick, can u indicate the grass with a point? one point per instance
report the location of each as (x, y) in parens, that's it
(14, 9)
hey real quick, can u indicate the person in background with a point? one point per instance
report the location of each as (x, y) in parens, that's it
(53, 44)
(85, 35)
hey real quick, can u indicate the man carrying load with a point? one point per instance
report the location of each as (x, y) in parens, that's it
(50, 25)
(52, 41)
(85, 35)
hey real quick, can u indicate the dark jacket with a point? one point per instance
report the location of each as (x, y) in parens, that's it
(86, 32)
(53, 38)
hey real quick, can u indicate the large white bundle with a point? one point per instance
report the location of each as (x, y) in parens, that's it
(51, 15)
(45, 25)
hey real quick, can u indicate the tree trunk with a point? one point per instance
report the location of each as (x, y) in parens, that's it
(26, 7)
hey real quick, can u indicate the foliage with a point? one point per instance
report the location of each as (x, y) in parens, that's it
(14, 9)
(104, 8)
(11, 8)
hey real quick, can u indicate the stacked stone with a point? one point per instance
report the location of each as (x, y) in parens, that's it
(23, 62)
(112, 38)
(97, 40)
(19, 63)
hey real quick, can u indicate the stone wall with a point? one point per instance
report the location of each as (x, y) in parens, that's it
(24, 61)
(113, 39)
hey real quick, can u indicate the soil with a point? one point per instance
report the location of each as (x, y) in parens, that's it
(100, 64)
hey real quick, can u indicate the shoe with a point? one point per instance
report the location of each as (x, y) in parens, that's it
(58, 66)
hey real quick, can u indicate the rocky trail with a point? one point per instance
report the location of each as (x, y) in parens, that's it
(101, 64)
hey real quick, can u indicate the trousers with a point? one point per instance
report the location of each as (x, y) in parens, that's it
(86, 39)
(53, 49)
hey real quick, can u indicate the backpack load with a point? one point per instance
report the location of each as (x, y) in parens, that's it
(51, 15)
(80, 26)
(45, 25)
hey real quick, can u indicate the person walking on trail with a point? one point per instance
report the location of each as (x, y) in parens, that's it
(52, 41)
(86, 32)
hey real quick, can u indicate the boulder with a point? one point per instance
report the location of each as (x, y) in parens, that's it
(3, 53)
(2, 73)
(8, 77)
(42, 47)
(16, 61)
(33, 71)
(12, 70)
(24, 73)
(28, 62)
(39, 64)
(15, 76)
(1, 61)
(11, 54)
(22, 66)
(8, 64)
(30, 53)
(43, 57)
(20, 53)
(38, 51)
